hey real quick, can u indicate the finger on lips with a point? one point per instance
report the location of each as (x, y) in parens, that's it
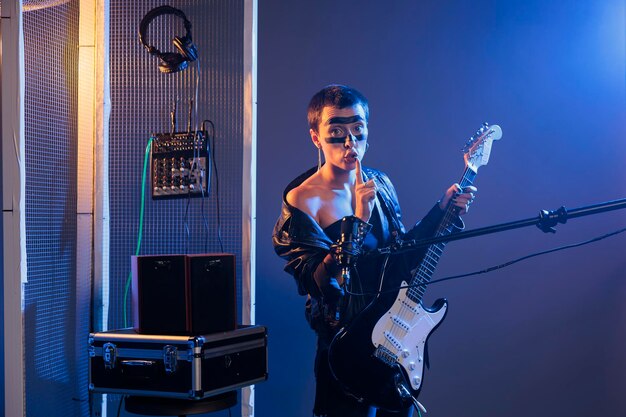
(359, 176)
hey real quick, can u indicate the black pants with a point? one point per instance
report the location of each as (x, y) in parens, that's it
(330, 399)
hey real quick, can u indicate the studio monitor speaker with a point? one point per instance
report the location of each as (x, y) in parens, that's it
(184, 294)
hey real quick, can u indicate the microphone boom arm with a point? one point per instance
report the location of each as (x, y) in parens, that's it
(545, 221)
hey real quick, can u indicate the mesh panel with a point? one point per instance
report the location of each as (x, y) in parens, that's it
(56, 371)
(141, 99)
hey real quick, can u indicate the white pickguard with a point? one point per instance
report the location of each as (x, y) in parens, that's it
(403, 330)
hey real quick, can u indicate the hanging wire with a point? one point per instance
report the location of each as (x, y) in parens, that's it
(213, 167)
(495, 267)
(532, 255)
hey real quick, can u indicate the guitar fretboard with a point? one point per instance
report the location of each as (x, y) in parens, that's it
(424, 272)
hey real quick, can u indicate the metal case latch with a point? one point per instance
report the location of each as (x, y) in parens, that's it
(170, 359)
(109, 355)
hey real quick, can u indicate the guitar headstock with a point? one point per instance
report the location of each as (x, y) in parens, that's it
(478, 147)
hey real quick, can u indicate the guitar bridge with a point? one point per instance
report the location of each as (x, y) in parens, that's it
(385, 355)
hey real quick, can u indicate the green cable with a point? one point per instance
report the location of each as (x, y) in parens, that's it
(139, 233)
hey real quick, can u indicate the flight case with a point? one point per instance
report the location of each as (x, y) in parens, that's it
(189, 367)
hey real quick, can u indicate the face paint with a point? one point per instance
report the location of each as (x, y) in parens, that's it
(344, 120)
(340, 127)
(341, 141)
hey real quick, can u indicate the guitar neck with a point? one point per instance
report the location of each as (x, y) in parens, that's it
(425, 270)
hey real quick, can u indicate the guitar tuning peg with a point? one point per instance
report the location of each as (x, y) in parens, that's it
(486, 125)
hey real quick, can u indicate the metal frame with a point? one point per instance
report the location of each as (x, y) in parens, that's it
(92, 231)
(13, 202)
(249, 182)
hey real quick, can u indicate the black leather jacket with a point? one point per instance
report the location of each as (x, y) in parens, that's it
(301, 241)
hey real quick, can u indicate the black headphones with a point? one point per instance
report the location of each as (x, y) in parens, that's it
(170, 61)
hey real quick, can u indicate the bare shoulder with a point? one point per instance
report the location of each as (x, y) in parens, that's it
(306, 197)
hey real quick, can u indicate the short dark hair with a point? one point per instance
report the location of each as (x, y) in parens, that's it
(334, 95)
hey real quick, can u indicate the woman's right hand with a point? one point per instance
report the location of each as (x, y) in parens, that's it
(365, 193)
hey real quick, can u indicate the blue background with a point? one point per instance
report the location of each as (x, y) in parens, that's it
(543, 337)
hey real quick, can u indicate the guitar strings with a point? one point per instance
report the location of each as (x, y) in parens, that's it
(496, 267)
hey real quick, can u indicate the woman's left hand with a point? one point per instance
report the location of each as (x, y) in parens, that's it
(460, 197)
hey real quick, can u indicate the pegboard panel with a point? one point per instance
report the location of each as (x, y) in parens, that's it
(142, 98)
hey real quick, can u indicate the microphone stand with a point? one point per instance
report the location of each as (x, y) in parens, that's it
(545, 221)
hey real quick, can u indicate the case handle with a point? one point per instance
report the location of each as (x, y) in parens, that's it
(137, 362)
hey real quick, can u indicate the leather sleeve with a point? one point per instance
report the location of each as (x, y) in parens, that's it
(424, 228)
(303, 253)
(427, 226)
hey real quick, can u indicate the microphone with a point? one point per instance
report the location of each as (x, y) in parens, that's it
(348, 246)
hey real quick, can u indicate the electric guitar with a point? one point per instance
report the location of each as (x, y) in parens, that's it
(379, 356)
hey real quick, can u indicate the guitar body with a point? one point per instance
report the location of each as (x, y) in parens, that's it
(361, 363)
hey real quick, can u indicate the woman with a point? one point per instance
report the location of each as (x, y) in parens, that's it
(308, 232)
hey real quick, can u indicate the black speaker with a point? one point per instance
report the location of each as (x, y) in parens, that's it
(213, 302)
(184, 294)
(169, 62)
